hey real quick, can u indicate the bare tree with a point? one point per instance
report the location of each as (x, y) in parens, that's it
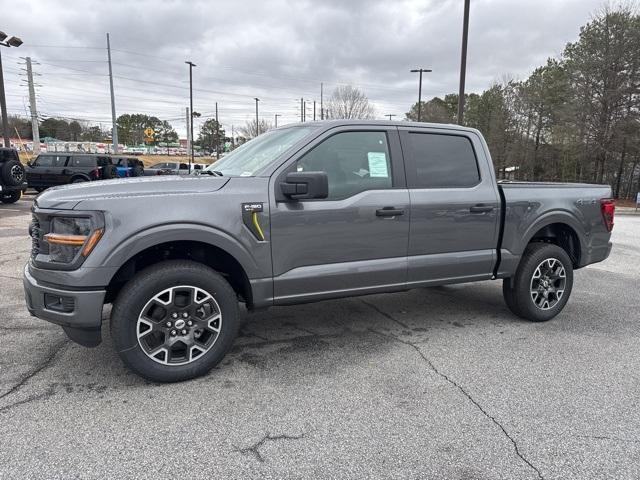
(349, 102)
(248, 131)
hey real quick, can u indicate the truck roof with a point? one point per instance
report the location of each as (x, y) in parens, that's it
(394, 123)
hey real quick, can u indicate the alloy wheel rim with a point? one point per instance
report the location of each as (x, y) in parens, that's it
(17, 173)
(548, 283)
(179, 325)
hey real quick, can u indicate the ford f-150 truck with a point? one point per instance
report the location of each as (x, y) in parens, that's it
(306, 212)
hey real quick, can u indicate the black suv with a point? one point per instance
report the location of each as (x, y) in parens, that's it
(12, 182)
(61, 168)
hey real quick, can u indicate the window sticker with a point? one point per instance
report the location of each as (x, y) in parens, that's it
(378, 165)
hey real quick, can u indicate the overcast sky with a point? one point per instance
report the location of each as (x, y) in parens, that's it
(278, 51)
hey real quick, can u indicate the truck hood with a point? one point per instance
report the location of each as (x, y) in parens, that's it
(67, 197)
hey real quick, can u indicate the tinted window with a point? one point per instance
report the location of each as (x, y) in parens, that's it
(353, 161)
(441, 161)
(122, 162)
(82, 161)
(51, 161)
(44, 161)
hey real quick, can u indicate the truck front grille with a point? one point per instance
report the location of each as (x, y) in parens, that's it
(35, 231)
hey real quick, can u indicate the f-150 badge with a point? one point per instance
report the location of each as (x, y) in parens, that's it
(251, 220)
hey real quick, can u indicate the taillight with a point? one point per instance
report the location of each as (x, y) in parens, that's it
(95, 173)
(608, 209)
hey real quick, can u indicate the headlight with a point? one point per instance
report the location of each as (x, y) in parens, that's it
(71, 236)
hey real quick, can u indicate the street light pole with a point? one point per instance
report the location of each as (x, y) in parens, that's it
(390, 115)
(463, 62)
(257, 122)
(276, 118)
(420, 70)
(114, 125)
(191, 65)
(11, 42)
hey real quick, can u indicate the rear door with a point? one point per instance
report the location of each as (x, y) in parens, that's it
(454, 206)
(347, 243)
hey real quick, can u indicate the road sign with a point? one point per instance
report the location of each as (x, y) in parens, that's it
(149, 131)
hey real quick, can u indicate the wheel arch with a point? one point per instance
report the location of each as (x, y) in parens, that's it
(559, 230)
(202, 252)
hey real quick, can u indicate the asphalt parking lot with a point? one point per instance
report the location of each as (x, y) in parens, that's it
(430, 383)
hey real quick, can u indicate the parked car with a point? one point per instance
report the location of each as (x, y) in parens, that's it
(299, 214)
(49, 169)
(12, 182)
(128, 166)
(174, 168)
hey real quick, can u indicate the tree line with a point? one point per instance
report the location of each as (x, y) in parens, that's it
(576, 118)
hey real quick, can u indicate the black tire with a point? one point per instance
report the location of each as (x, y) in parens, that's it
(12, 173)
(39, 189)
(137, 294)
(519, 291)
(137, 171)
(79, 180)
(109, 171)
(11, 197)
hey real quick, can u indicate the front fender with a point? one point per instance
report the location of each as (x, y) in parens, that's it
(159, 234)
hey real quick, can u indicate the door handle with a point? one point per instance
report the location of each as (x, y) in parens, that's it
(389, 212)
(480, 208)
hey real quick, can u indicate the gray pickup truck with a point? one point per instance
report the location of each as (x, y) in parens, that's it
(302, 213)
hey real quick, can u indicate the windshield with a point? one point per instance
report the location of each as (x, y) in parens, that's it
(256, 154)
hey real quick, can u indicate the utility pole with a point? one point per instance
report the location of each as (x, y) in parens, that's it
(188, 130)
(314, 110)
(34, 111)
(191, 65)
(114, 125)
(420, 70)
(233, 138)
(321, 104)
(302, 109)
(257, 122)
(463, 62)
(390, 115)
(276, 118)
(217, 133)
(4, 42)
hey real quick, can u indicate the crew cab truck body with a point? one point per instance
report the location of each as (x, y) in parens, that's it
(303, 213)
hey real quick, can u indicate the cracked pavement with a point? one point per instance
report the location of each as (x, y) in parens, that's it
(431, 383)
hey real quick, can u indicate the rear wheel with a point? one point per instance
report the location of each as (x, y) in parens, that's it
(12, 172)
(11, 197)
(137, 171)
(79, 180)
(542, 284)
(109, 171)
(174, 321)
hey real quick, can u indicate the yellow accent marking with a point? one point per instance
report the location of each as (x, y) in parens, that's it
(257, 225)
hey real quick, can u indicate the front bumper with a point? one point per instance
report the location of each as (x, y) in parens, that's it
(79, 312)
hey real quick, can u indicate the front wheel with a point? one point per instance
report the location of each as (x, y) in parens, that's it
(542, 284)
(174, 321)
(11, 197)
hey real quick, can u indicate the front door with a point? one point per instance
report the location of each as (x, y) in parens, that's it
(53, 173)
(354, 241)
(454, 207)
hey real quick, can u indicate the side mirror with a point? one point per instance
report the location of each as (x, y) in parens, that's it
(305, 185)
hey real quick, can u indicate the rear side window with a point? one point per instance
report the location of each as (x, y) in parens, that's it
(438, 161)
(104, 161)
(82, 161)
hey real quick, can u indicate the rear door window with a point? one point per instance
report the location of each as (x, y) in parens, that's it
(440, 161)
